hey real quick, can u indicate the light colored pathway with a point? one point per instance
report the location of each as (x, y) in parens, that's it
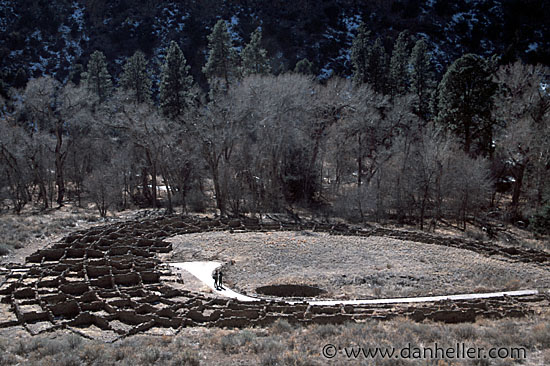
(203, 271)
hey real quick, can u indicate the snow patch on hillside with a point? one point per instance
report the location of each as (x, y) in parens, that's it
(533, 47)
(233, 33)
(326, 73)
(7, 15)
(351, 23)
(170, 19)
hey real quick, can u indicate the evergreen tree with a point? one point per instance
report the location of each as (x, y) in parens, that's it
(20, 79)
(76, 73)
(399, 76)
(136, 79)
(465, 100)
(97, 76)
(175, 83)
(377, 66)
(222, 57)
(360, 54)
(304, 66)
(421, 77)
(254, 58)
(4, 88)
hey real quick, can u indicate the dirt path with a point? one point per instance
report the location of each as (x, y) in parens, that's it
(203, 271)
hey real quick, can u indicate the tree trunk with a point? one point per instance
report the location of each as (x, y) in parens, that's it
(145, 183)
(168, 193)
(468, 133)
(423, 205)
(154, 186)
(217, 190)
(518, 176)
(59, 160)
(359, 177)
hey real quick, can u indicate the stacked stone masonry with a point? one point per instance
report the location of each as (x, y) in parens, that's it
(109, 278)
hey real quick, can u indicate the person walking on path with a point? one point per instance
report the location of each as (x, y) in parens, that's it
(220, 280)
(215, 276)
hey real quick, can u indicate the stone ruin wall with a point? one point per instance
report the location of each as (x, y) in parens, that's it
(110, 279)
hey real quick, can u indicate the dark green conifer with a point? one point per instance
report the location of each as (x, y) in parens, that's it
(254, 57)
(399, 76)
(98, 79)
(422, 77)
(465, 101)
(136, 79)
(360, 54)
(175, 83)
(222, 57)
(377, 67)
(304, 66)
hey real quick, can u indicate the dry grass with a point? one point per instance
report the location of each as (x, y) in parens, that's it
(18, 231)
(355, 267)
(70, 349)
(284, 344)
(30, 231)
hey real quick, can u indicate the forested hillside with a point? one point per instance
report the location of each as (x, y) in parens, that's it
(418, 113)
(57, 37)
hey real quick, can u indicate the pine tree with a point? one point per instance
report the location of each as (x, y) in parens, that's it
(465, 100)
(377, 66)
(421, 77)
(20, 79)
(175, 83)
(360, 54)
(399, 76)
(304, 66)
(76, 73)
(97, 76)
(254, 58)
(222, 57)
(136, 79)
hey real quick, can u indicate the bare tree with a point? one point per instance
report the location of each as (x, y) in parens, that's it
(51, 105)
(523, 107)
(16, 179)
(104, 186)
(146, 131)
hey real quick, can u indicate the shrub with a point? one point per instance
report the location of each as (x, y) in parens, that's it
(541, 334)
(295, 358)
(4, 249)
(68, 359)
(231, 343)
(93, 352)
(186, 358)
(270, 360)
(465, 331)
(73, 341)
(51, 347)
(326, 330)
(281, 326)
(269, 345)
(540, 222)
(149, 356)
(7, 359)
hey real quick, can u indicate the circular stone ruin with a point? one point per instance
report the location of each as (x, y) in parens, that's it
(109, 282)
(290, 290)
